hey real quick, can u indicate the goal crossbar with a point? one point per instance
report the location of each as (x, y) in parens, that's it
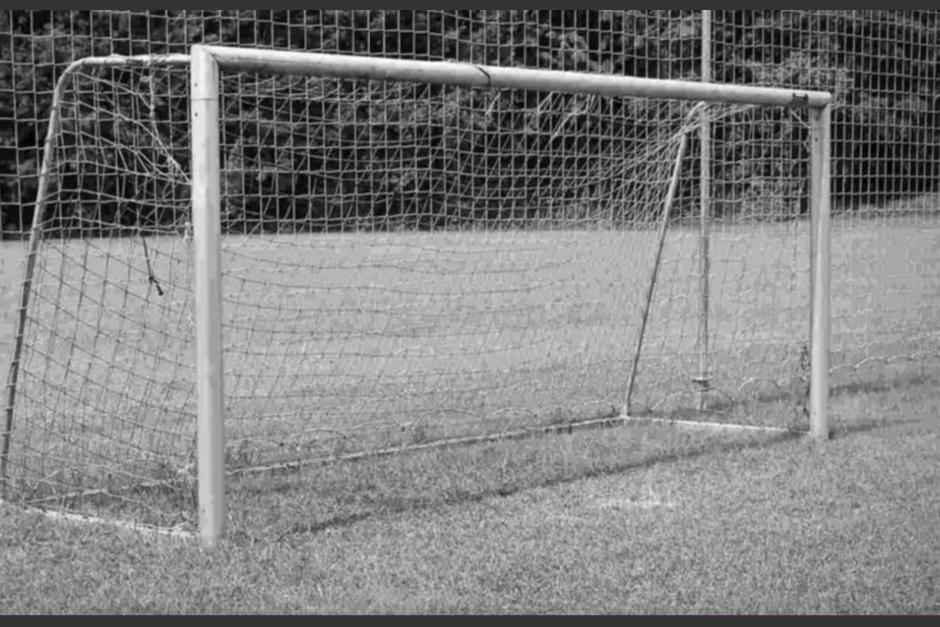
(476, 75)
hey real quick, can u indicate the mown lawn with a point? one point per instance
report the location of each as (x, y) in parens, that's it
(616, 520)
(722, 526)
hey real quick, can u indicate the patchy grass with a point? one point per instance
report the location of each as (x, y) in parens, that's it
(784, 526)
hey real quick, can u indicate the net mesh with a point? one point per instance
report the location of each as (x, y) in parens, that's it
(878, 64)
(886, 222)
(104, 396)
(402, 264)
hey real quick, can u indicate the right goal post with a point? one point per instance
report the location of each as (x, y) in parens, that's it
(820, 269)
(305, 258)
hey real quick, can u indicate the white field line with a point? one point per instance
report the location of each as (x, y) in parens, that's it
(696, 424)
(611, 421)
(140, 528)
(178, 532)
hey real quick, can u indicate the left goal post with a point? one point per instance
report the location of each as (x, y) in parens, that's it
(206, 220)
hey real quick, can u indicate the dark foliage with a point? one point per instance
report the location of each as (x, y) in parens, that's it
(880, 65)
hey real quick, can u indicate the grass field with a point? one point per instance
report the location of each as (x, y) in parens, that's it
(784, 527)
(398, 339)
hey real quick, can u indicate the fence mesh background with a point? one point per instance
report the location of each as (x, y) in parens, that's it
(882, 67)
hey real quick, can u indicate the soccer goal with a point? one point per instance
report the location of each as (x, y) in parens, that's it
(247, 260)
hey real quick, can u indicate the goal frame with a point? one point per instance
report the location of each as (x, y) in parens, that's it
(207, 63)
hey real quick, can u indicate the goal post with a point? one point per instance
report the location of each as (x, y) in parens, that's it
(206, 64)
(206, 190)
(283, 258)
(820, 139)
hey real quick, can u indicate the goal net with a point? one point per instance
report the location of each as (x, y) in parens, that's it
(450, 254)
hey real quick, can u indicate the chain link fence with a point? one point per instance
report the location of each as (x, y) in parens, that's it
(880, 65)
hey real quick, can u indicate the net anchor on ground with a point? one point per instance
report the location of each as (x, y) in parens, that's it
(702, 385)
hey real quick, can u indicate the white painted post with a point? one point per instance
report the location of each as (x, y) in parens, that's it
(204, 94)
(702, 378)
(820, 135)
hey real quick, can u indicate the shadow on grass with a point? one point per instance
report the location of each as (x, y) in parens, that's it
(352, 492)
(311, 501)
(789, 400)
(862, 426)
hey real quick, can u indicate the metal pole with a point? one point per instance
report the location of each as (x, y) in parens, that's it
(35, 236)
(820, 137)
(702, 378)
(204, 94)
(651, 286)
(475, 75)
